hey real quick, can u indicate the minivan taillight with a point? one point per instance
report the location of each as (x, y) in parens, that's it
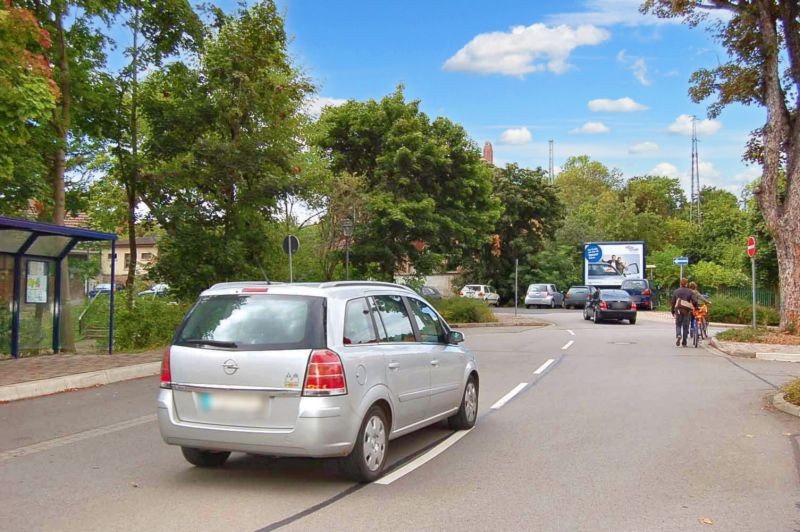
(166, 374)
(325, 374)
(633, 306)
(646, 292)
(603, 305)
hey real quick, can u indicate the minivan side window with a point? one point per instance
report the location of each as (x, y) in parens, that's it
(358, 327)
(428, 323)
(393, 315)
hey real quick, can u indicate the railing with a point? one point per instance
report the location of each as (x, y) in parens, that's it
(764, 296)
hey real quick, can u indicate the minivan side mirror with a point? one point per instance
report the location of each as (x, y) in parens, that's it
(455, 337)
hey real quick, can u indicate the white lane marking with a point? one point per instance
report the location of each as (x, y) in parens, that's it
(567, 345)
(507, 397)
(544, 366)
(73, 438)
(570, 332)
(422, 460)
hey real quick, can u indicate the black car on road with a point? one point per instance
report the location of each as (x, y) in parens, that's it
(608, 304)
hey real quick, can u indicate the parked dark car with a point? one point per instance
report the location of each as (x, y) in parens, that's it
(430, 292)
(577, 296)
(610, 304)
(640, 292)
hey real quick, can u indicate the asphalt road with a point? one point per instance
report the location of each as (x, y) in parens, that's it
(620, 431)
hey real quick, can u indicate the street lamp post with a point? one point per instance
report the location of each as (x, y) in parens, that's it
(347, 229)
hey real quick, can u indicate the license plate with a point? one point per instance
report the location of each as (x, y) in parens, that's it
(230, 402)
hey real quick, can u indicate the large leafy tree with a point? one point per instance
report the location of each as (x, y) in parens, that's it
(428, 193)
(531, 214)
(222, 139)
(28, 95)
(762, 38)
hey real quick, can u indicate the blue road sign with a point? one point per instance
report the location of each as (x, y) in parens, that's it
(680, 261)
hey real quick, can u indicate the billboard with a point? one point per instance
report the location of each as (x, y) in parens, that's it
(607, 264)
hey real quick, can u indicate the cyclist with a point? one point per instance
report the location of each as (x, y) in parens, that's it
(682, 303)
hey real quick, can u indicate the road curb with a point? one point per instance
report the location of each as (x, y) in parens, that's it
(517, 323)
(779, 357)
(26, 390)
(740, 354)
(784, 406)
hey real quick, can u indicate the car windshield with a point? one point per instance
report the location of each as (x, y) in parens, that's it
(614, 294)
(258, 322)
(634, 284)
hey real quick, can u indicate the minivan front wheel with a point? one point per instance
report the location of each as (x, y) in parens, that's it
(468, 411)
(368, 458)
(202, 458)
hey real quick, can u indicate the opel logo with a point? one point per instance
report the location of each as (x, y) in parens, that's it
(230, 366)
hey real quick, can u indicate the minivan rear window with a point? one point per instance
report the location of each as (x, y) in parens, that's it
(255, 322)
(634, 284)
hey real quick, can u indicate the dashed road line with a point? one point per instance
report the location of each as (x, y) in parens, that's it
(570, 332)
(510, 395)
(422, 460)
(568, 345)
(73, 438)
(544, 366)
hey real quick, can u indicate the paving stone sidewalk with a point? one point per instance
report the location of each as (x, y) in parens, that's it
(43, 367)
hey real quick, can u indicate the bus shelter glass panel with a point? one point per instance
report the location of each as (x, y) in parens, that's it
(36, 306)
(49, 245)
(6, 301)
(11, 240)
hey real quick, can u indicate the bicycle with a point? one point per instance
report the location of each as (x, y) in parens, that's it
(699, 326)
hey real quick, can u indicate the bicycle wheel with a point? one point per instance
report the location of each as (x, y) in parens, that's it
(705, 328)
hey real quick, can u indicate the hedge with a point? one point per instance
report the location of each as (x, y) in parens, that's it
(726, 309)
(464, 310)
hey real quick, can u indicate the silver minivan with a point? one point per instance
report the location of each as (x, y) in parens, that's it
(318, 370)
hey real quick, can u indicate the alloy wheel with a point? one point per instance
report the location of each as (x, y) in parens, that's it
(374, 443)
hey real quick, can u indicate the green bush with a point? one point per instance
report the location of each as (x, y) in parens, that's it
(726, 309)
(792, 392)
(464, 310)
(741, 335)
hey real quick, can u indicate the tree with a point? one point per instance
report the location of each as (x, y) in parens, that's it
(429, 194)
(28, 95)
(655, 194)
(531, 214)
(762, 39)
(222, 140)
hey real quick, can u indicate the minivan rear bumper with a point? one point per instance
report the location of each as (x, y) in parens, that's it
(323, 428)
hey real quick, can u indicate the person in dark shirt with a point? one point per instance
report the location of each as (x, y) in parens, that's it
(682, 303)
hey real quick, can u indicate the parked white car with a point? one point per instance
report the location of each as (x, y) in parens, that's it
(481, 291)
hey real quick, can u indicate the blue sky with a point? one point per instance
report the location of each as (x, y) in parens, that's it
(594, 76)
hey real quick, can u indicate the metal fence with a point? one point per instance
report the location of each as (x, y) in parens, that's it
(764, 296)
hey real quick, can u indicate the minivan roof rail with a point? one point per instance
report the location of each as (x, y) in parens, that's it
(244, 284)
(337, 284)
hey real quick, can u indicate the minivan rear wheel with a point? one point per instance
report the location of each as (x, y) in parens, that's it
(201, 458)
(468, 411)
(368, 458)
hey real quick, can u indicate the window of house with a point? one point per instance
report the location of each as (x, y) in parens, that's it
(147, 257)
(358, 328)
(395, 319)
(428, 323)
(127, 260)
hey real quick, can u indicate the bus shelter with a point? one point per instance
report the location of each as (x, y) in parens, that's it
(32, 254)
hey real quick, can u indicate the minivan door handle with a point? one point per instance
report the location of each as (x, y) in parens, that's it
(394, 365)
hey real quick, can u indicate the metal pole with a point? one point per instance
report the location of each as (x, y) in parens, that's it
(57, 308)
(679, 280)
(290, 261)
(111, 297)
(347, 258)
(753, 263)
(516, 284)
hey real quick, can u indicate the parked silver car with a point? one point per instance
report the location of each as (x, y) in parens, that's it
(543, 295)
(320, 370)
(481, 291)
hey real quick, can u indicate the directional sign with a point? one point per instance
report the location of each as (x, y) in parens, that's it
(680, 261)
(751, 246)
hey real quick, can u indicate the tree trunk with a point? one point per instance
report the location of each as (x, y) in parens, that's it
(787, 244)
(133, 178)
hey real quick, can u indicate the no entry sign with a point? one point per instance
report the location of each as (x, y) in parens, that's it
(751, 246)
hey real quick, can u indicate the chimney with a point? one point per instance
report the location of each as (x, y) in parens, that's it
(488, 153)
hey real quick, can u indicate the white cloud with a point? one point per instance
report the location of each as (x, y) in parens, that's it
(749, 175)
(315, 104)
(643, 147)
(665, 169)
(637, 65)
(519, 135)
(683, 126)
(707, 171)
(609, 13)
(592, 128)
(622, 105)
(524, 49)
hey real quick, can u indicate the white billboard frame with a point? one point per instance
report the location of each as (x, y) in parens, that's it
(613, 263)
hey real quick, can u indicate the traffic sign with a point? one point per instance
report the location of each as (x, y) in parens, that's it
(751, 246)
(593, 253)
(680, 261)
(292, 241)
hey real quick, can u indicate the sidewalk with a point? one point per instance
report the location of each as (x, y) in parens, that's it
(48, 374)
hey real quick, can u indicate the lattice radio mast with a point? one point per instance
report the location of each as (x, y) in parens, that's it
(552, 177)
(695, 214)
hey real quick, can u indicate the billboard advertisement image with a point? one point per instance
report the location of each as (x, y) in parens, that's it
(607, 264)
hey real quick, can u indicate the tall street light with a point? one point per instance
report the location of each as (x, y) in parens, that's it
(347, 229)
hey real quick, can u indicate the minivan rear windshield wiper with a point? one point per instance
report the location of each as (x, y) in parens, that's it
(214, 343)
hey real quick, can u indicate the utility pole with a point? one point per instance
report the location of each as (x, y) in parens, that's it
(695, 214)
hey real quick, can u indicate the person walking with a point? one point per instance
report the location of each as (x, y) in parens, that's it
(682, 303)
